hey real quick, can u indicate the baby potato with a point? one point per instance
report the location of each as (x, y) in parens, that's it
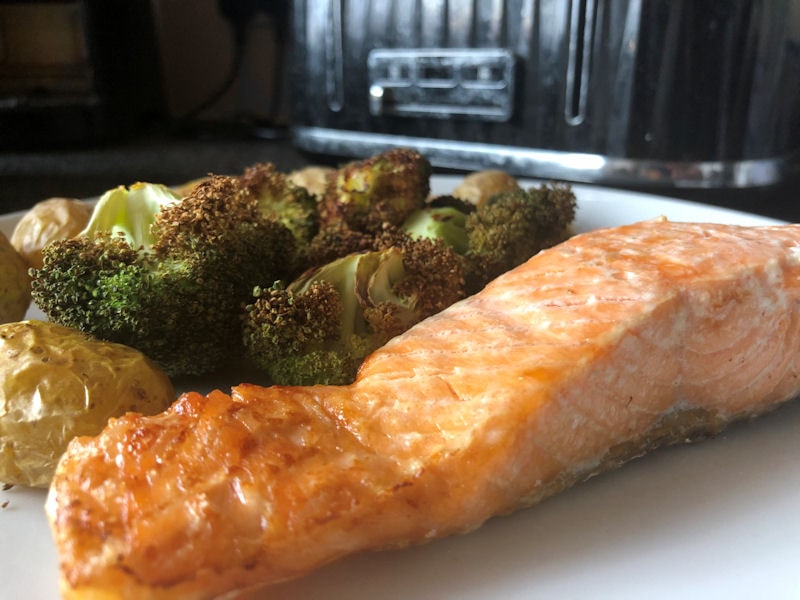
(479, 186)
(57, 384)
(15, 283)
(313, 178)
(48, 220)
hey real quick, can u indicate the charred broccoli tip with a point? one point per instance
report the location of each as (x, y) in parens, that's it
(278, 197)
(386, 188)
(512, 226)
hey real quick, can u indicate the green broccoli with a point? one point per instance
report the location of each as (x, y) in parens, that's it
(500, 233)
(335, 241)
(320, 327)
(164, 275)
(170, 276)
(512, 226)
(445, 218)
(383, 189)
(292, 205)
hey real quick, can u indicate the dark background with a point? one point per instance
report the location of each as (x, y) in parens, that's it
(208, 108)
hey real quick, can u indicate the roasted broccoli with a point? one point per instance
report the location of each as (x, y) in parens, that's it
(335, 241)
(384, 189)
(164, 275)
(278, 197)
(444, 218)
(500, 233)
(304, 287)
(510, 227)
(320, 327)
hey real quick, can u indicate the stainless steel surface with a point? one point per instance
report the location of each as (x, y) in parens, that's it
(553, 164)
(27, 177)
(442, 83)
(660, 93)
(334, 55)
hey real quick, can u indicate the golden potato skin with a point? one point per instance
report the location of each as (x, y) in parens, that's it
(15, 283)
(48, 220)
(479, 186)
(57, 383)
(313, 178)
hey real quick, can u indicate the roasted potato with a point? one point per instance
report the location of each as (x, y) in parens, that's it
(15, 283)
(314, 178)
(57, 384)
(48, 220)
(479, 186)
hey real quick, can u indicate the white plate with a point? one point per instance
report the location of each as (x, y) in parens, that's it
(712, 520)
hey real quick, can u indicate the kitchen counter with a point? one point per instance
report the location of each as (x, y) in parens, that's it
(27, 177)
(30, 176)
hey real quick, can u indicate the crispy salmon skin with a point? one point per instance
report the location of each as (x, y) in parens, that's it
(592, 353)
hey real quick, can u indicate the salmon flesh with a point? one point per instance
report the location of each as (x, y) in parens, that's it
(590, 354)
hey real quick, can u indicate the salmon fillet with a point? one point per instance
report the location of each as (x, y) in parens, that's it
(590, 354)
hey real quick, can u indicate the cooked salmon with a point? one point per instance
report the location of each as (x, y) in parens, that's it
(590, 354)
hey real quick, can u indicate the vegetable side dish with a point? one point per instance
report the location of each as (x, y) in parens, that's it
(303, 286)
(48, 220)
(57, 384)
(15, 283)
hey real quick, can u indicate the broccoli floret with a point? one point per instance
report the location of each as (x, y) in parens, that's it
(501, 232)
(320, 327)
(386, 188)
(446, 223)
(279, 197)
(221, 227)
(335, 241)
(301, 337)
(173, 289)
(512, 226)
(93, 284)
(130, 212)
(424, 277)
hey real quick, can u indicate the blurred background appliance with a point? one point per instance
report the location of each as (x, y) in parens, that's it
(656, 93)
(223, 66)
(76, 71)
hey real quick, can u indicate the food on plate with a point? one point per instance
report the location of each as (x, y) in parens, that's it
(373, 286)
(57, 384)
(15, 283)
(364, 195)
(588, 355)
(129, 212)
(314, 178)
(443, 218)
(186, 188)
(279, 198)
(479, 186)
(165, 275)
(320, 327)
(501, 232)
(45, 221)
(171, 275)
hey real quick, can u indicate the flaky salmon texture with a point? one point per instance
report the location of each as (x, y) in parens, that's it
(594, 352)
